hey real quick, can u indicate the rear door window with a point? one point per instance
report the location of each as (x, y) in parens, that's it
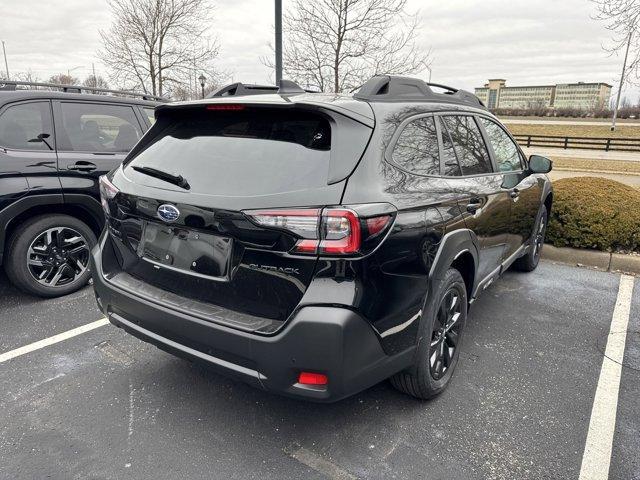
(251, 151)
(468, 145)
(92, 127)
(416, 149)
(27, 126)
(505, 150)
(149, 112)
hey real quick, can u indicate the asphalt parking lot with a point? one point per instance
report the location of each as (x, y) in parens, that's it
(103, 405)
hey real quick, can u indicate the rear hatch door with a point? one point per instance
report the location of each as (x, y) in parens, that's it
(182, 221)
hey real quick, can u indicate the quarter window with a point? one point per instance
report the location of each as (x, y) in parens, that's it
(507, 155)
(92, 127)
(468, 144)
(149, 112)
(27, 126)
(417, 147)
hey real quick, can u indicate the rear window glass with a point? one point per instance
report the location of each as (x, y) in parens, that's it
(249, 152)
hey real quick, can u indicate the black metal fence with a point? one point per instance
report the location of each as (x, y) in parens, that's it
(582, 143)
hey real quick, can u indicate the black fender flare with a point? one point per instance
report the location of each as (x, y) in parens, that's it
(20, 206)
(452, 245)
(89, 204)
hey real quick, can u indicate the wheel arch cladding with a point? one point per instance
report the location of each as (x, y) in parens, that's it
(73, 210)
(457, 250)
(465, 264)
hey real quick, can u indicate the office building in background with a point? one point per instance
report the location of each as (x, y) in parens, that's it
(585, 96)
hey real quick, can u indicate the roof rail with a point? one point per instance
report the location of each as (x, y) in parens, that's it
(387, 88)
(285, 87)
(12, 85)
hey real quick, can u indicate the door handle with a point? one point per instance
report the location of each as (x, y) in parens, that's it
(474, 205)
(515, 193)
(82, 166)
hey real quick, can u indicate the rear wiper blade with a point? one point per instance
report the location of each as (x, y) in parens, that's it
(178, 180)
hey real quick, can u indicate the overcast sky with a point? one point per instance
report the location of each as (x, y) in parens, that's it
(546, 41)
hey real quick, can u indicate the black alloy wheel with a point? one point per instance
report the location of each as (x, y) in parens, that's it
(49, 255)
(440, 339)
(58, 256)
(445, 334)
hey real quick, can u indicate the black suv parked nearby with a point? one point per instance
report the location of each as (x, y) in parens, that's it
(54, 145)
(313, 244)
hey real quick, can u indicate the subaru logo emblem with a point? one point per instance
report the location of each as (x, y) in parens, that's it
(168, 213)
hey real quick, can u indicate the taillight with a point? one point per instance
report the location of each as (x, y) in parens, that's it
(329, 231)
(107, 191)
(340, 233)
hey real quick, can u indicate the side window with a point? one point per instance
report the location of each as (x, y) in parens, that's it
(20, 126)
(92, 127)
(468, 144)
(148, 111)
(417, 147)
(507, 155)
(449, 157)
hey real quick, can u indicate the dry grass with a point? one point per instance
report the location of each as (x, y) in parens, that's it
(601, 131)
(593, 165)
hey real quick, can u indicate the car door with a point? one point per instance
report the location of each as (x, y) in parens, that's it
(482, 199)
(27, 151)
(93, 138)
(524, 191)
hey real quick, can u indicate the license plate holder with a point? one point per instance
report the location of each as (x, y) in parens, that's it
(187, 251)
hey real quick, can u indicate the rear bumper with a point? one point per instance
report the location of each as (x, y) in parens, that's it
(330, 340)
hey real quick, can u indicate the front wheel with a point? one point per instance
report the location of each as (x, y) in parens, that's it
(529, 262)
(441, 329)
(48, 255)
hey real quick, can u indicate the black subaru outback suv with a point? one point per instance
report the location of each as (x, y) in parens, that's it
(313, 244)
(54, 145)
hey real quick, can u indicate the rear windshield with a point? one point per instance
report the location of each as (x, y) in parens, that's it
(254, 151)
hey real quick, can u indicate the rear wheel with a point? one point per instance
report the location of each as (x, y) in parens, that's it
(441, 331)
(529, 262)
(48, 255)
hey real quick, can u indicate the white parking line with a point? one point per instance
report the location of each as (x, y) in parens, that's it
(51, 340)
(597, 450)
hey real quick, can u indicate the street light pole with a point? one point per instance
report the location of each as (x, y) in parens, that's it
(202, 80)
(6, 65)
(624, 68)
(278, 24)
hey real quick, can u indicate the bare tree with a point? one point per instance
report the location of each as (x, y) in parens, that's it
(622, 19)
(157, 45)
(64, 79)
(95, 81)
(336, 45)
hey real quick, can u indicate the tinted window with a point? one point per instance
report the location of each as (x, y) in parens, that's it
(91, 127)
(21, 124)
(507, 155)
(468, 144)
(417, 147)
(449, 157)
(251, 152)
(150, 115)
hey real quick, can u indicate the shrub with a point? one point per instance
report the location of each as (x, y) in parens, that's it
(597, 213)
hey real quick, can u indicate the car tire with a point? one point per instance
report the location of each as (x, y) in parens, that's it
(422, 380)
(48, 255)
(529, 262)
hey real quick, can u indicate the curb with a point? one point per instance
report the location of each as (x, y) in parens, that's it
(605, 261)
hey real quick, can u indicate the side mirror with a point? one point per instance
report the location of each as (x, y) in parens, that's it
(539, 164)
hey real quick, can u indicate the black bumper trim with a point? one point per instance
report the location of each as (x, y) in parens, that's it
(191, 352)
